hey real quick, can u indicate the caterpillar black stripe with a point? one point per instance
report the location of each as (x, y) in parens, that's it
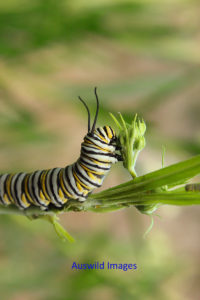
(56, 186)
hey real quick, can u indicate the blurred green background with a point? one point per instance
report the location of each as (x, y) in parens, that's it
(144, 57)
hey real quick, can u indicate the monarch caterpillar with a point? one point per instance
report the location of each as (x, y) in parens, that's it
(192, 187)
(54, 187)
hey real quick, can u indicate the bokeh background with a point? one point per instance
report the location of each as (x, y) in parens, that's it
(144, 57)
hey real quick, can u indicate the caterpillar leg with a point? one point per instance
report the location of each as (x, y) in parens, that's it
(118, 157)
(82, 199)
(118, 147)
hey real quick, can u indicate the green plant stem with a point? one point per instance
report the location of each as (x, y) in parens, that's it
(102, 205)
(171, 176)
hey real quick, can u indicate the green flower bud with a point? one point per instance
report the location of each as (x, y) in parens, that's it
(132, 140)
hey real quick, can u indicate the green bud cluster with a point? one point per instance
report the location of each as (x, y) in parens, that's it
(132, 140)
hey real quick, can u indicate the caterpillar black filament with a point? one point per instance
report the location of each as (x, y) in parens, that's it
(56, 186)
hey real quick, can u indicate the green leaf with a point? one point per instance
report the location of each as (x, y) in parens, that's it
(170, 175)
(61, 232)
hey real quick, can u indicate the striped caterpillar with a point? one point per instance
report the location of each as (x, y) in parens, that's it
(54, 187)
(192, 187)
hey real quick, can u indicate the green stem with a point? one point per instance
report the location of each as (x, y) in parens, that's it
(114, 203)
(171, 176)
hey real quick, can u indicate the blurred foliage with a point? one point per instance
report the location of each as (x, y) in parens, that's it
(35, 24)
(46, 273)
(144, 57)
